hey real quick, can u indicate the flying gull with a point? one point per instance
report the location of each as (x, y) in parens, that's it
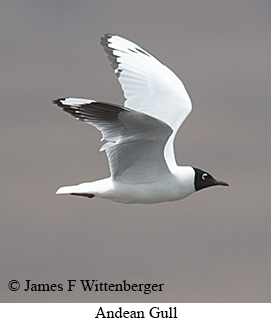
(139, 135)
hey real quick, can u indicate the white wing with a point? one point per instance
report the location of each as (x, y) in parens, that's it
(148, 85)
(135, 140)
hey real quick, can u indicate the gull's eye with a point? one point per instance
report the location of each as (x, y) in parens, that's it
(204, 176)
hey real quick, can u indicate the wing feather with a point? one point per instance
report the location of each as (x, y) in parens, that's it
(148, 85)
(135, 141)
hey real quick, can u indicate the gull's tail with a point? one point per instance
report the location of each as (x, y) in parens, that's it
(68, 190)
(97, 188)
(73, 190)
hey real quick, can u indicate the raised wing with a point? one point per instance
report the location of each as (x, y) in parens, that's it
(135, 141)
(148, 85)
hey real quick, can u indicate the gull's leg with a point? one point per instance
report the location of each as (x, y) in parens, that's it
(89, 195)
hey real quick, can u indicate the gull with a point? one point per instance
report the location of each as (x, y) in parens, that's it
(139, 135)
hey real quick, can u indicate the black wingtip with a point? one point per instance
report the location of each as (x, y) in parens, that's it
(108, 35)
(58, 102)
(105, 38)
(105, 41)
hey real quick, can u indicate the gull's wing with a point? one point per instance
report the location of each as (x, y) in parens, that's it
(135, 141)
(148, 85)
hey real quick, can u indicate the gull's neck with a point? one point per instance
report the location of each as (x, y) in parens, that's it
(186, 179)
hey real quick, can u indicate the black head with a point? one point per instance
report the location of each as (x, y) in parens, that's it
(203, 180)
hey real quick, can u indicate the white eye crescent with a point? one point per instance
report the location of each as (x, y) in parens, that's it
(204, 176)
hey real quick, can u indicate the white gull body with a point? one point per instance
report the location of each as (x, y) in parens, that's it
(141, 133)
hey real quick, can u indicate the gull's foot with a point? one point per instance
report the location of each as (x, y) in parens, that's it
(89, 195)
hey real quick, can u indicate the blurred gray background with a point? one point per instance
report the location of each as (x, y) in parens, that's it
(214, 246)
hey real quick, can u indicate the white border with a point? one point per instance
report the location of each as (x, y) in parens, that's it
(83, 312)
